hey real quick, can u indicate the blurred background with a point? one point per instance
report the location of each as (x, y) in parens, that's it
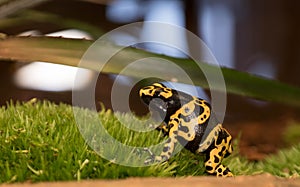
(259, 37)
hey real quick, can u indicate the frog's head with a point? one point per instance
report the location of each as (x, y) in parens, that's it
(156, 90)
(161, 98)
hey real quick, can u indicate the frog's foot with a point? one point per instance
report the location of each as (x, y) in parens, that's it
(219, 170)
(152, 158)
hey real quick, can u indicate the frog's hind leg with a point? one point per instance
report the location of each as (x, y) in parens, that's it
(219, 149)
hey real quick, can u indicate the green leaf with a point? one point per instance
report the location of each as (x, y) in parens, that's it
(70, 51)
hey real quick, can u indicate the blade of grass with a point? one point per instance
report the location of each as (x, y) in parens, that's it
(70, 51)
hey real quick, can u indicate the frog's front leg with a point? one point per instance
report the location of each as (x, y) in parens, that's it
(220, 148)
(163, 128)
(167, 149)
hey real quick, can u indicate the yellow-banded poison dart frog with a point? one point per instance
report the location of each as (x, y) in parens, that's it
(189, 121)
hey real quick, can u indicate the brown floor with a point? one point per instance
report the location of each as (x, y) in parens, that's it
(245, 181)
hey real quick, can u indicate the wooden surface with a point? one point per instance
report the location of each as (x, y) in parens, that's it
(245, 181)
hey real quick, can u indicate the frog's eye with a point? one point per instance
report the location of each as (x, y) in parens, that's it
(162, 92)
(159, 92)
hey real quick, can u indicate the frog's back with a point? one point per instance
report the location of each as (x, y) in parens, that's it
(193, 118)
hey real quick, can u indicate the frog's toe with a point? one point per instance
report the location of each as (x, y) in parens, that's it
(149, 161)
(151, 158)
(154, 159)
(223, 171)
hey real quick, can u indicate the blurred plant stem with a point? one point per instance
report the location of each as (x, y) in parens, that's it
(8, 7)
(43, 17)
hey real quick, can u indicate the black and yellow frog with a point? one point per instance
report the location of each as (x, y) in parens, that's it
(189, 121)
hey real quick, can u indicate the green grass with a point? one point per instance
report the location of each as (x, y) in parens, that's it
(40, 141)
